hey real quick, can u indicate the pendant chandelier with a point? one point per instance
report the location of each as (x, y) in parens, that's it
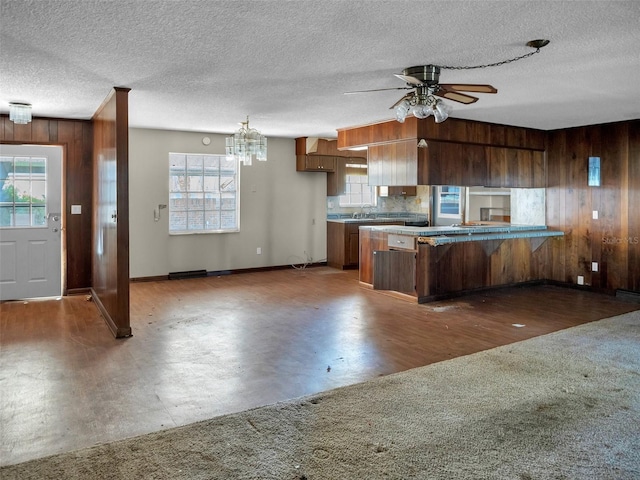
(247, 144)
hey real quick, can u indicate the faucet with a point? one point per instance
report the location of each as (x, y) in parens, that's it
(364, 214)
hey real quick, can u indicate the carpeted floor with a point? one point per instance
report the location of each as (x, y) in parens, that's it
(561, 406)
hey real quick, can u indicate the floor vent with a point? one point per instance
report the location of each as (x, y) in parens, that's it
(189, 274)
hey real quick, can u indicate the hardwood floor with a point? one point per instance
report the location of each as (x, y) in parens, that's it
(210, 346)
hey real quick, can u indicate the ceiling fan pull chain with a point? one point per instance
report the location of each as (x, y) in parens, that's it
(537, 44)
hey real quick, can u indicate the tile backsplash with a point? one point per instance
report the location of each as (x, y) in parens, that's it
(417, 204)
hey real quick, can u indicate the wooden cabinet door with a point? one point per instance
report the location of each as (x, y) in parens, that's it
(410, 191)
(354, 248)
(394, 270)
(315, 163)
(393, 164)
(337, 180)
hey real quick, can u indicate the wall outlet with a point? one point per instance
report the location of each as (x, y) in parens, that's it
(580, 280)
(594, 214)
(76, 209)
(594, 266)
(259, 251)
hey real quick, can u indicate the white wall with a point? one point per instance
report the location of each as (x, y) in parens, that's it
(278, 207)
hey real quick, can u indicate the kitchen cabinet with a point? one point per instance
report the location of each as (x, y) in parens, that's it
(389, 261)
(395, 270)
(402, 163)
(337, 181)
(343, 242)
(393, 164)
(315, 163)
(397, 191)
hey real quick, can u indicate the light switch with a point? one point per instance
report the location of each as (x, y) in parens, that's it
(595, 214)
(76, 209)
(594, 266)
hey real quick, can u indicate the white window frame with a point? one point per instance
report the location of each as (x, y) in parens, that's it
(27, 208)
(204, 194)
(360, 188)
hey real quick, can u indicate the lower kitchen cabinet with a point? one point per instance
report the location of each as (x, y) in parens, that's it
(395, 270)
(343, 242)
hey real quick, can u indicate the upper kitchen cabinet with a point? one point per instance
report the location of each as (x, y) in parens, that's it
(315, 163)
(321, 155)
(457, 152)
(467, 164)
(315, 155)
(393, 164)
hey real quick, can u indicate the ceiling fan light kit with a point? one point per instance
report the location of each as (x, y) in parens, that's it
(424, 80)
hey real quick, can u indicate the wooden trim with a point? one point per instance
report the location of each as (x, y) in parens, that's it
(217, 273)
(118, 332)
(463, 293)
(78, 291)
(156, 278)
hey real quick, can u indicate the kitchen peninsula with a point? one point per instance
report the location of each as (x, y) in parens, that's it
(431, 263)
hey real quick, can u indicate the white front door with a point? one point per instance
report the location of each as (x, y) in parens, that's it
(30, 221)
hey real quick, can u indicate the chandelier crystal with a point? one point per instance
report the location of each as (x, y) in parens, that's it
(247, 144)
(20, 113)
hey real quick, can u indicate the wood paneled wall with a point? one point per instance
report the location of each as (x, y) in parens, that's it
(613, 240)
(453, 130)
(111, 211)
(76, 138)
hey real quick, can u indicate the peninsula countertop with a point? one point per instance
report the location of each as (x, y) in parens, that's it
(442, 235)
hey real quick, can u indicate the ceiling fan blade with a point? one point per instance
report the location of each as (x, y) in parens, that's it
(455, 96)
(469, 87)
(409, 79)
(377, 90)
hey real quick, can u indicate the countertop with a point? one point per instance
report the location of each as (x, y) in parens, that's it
(374, 218)
(436, 236)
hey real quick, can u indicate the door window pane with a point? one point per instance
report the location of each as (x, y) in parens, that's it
(23, 191)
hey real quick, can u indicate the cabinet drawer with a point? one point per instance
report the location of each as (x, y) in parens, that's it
(401, 242)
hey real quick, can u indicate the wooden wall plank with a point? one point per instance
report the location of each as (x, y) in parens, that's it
(633, 208)
(609, 239)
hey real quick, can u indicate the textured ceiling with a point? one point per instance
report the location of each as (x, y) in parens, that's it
(205, 65)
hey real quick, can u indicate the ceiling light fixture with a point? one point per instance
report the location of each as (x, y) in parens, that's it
(422, 104)
(246, 144)
(425, 81)
(20, 113)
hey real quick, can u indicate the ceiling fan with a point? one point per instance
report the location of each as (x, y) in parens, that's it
(427, 77)
(424, 80)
